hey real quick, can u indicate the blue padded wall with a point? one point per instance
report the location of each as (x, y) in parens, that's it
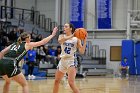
(137, 50)
(128, 52)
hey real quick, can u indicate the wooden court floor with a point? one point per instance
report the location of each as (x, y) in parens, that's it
(90, 84)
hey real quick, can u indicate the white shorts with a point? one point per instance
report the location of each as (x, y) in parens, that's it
(65, 64)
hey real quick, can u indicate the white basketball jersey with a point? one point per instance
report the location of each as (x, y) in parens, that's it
(69, 48)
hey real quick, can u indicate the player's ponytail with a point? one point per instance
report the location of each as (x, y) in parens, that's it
(19, 41)
(72, 26)
(22, 37)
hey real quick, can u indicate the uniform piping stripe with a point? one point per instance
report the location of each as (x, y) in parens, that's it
(17, 58)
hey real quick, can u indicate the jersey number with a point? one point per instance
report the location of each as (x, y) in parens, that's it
(67, 50)
(15, 47)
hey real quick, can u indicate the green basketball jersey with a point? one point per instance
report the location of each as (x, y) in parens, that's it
(16, 52)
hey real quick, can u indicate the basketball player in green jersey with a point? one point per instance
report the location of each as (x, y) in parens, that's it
(11, 56)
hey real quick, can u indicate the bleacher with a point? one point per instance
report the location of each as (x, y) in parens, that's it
(94, 68)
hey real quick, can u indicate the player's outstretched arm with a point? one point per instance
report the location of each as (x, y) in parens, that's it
(4, 51)
(43, 41)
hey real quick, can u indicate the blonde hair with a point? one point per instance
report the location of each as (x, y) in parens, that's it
(22, 37)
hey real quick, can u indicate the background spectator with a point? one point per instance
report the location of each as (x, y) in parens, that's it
(58, 52)
(39, 38)
(13, 35)
(124, 67)
(31, 61)
(42, 55)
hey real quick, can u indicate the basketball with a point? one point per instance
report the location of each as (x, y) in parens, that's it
(80, 33)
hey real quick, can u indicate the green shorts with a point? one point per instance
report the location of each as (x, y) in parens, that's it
(9, 68)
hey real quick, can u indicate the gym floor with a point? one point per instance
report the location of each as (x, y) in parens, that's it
(90, 84)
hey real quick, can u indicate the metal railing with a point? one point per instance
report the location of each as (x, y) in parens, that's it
(27, 16)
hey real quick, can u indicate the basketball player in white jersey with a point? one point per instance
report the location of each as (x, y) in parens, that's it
(69, 45)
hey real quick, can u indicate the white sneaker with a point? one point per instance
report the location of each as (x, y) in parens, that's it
(32, 77)
(127, 75)
(41, 62)
(85, 74)
(29, 77)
